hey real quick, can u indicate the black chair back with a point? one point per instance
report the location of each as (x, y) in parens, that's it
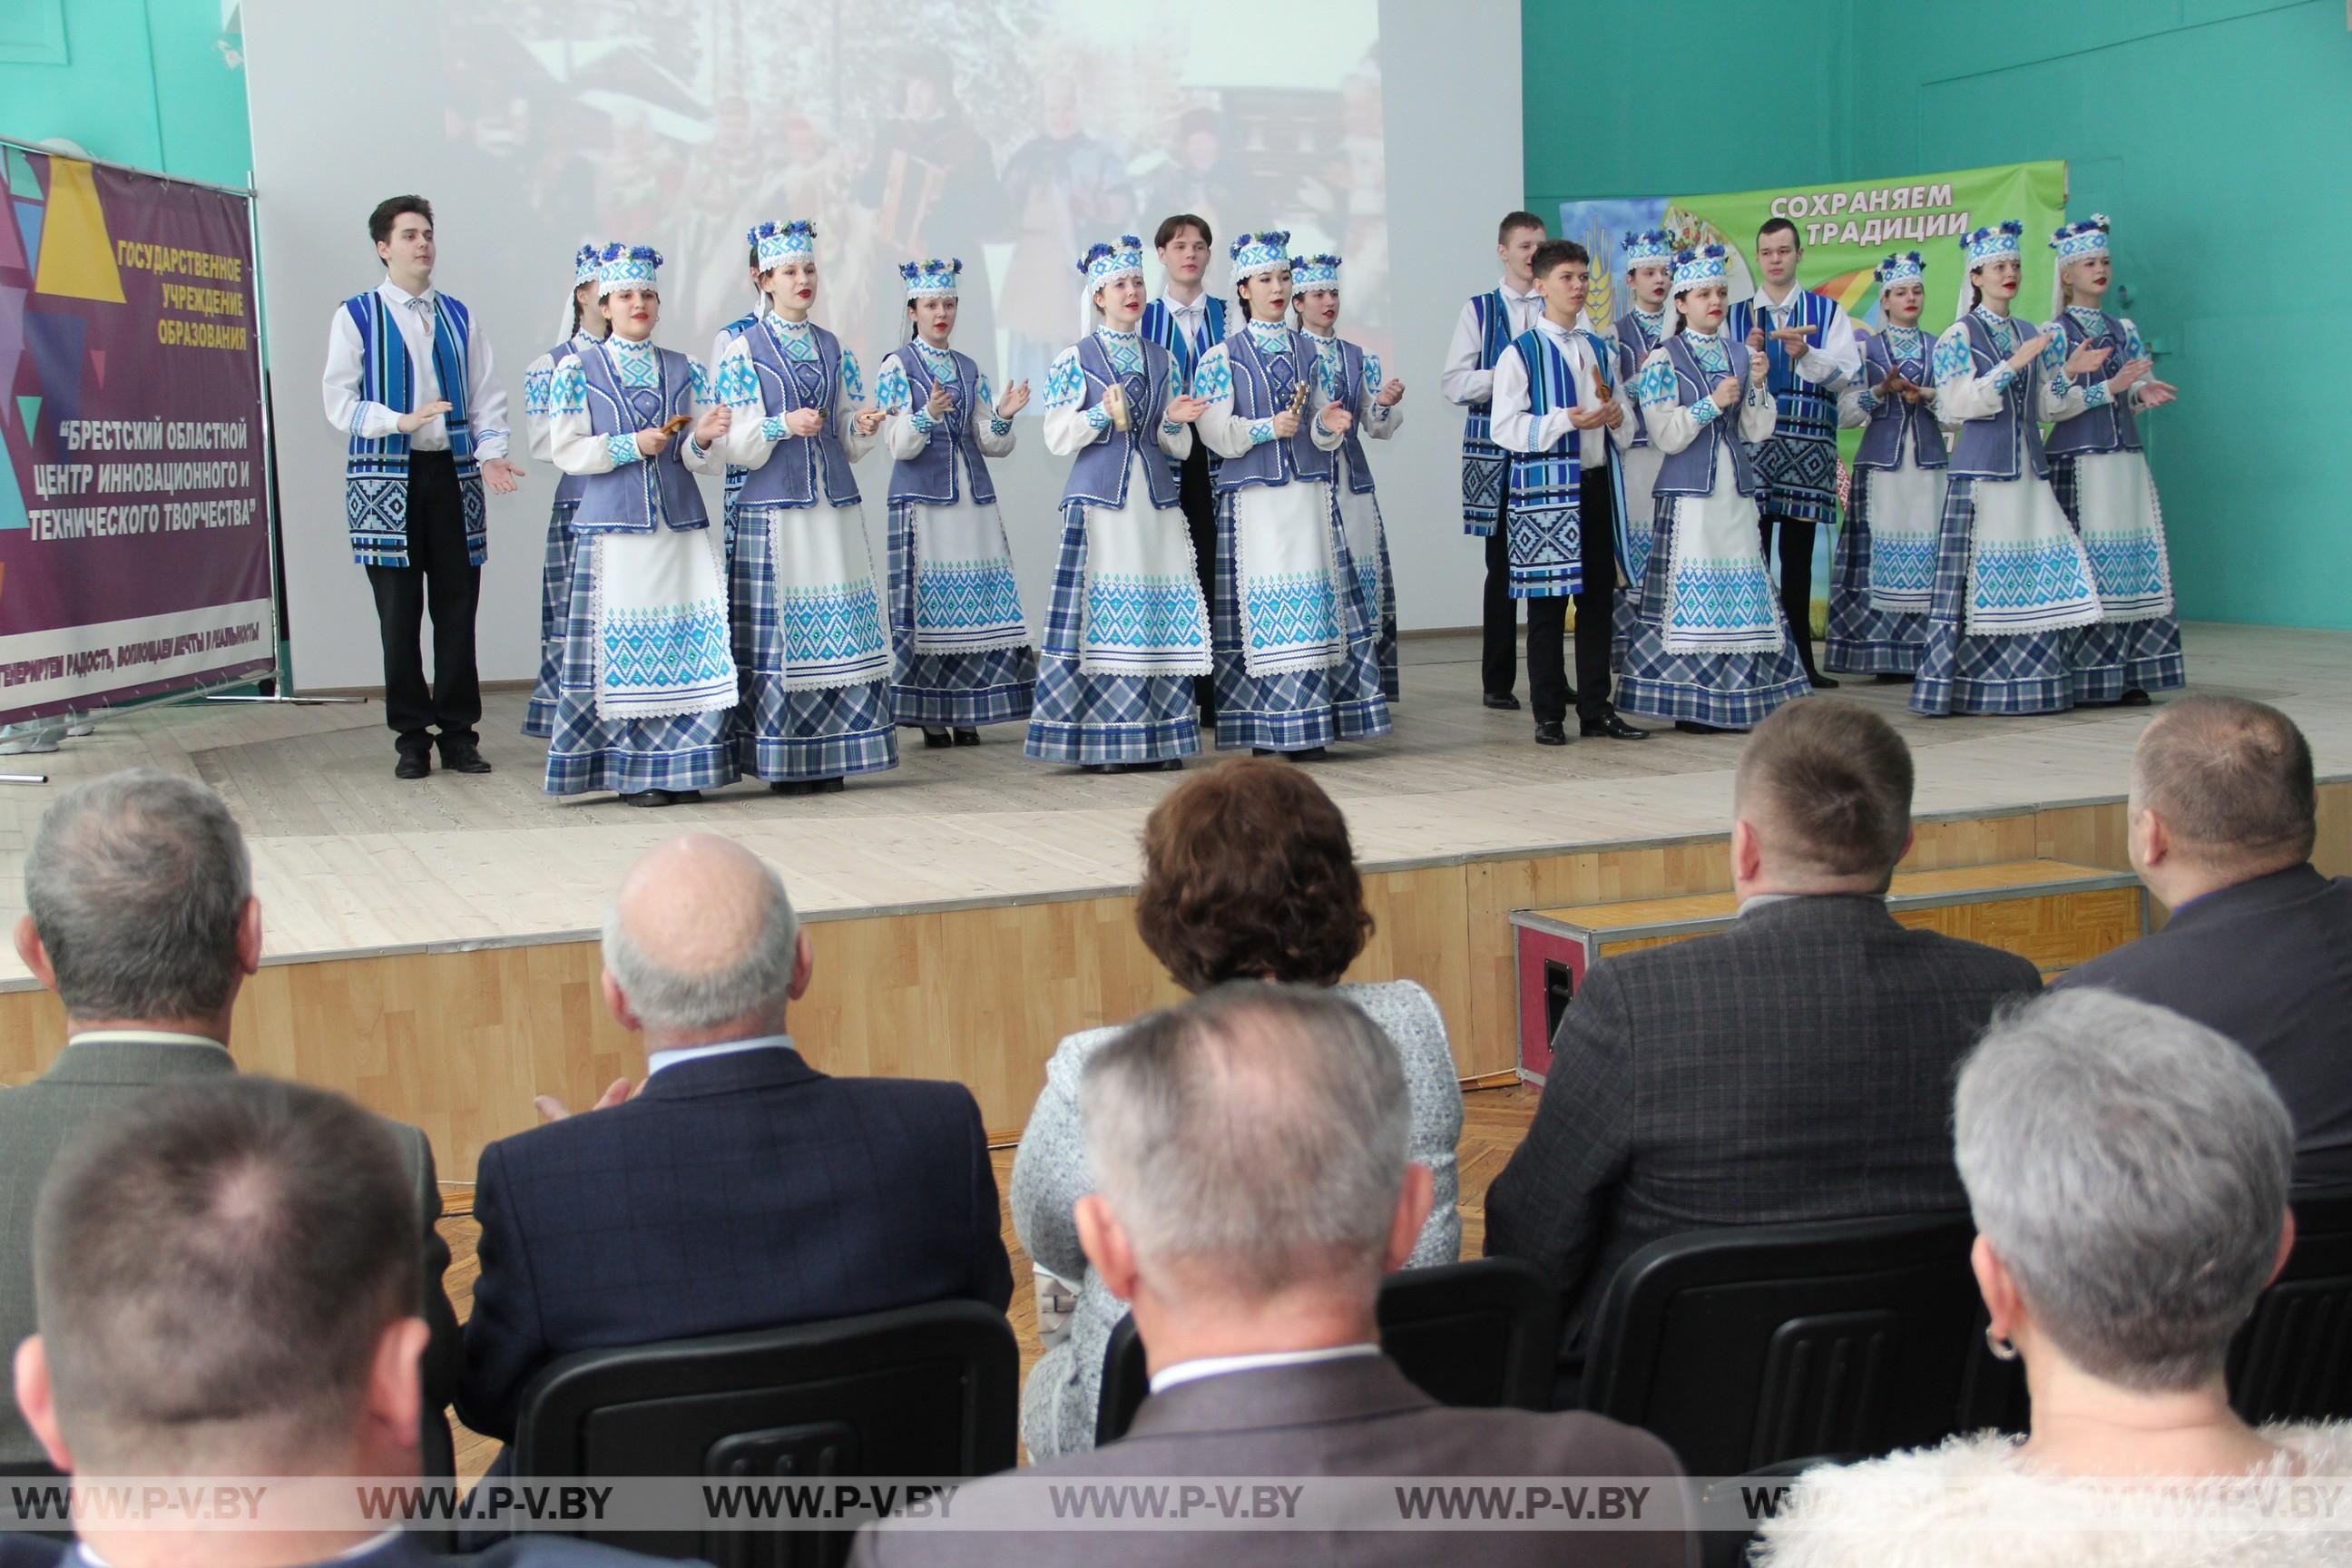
(921, 1391)
(2293, 1358)
(1748, 1347)
(1480, 1334)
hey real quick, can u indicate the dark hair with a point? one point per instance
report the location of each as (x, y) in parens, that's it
(2232, 778)
(1512, 222)
(1175, 224)
(1551, 253)
(1248, 871)
(214, 1263)
(387, 213)
(1776, 226)
(1837, 778)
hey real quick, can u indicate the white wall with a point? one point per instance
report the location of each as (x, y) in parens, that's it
(347, 109)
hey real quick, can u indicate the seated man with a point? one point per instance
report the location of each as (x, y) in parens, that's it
(227, 1277)
(144, 923)
(1251, 1188)
(739, 1188)
(2223, 816)
(1798, 1067)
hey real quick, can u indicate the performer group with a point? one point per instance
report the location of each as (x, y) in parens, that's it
(1224, 562)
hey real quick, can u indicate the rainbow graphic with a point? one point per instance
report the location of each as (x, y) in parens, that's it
(1849, 290)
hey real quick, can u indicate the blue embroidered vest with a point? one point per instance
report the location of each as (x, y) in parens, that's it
(569, 487)
(1894, 425)
(1262, 389)
(1158, 326)
(1998, 446)
(375, 471)
(2108, 427)
(1803, 410)
(1634, 346)
(1494, 318)
(930, 476)
(1098, 475)
(1691, 471)
(1547, 498)
(636, 498)
(788, 477)
(1349, 395)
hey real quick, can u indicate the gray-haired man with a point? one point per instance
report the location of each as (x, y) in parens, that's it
(144, 923)
(1251, 1188)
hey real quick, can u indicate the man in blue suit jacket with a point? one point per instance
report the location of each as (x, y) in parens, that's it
(739, 1187)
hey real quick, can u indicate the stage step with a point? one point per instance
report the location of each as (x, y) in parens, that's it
(2055, 913)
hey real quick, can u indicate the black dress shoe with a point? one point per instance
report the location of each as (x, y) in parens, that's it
(2134, 697)
(1612, 728)
(1824, 683)
(1693, 727)
(936, 740)
(1170, 766)
(412, 765)
(1893, 677)
(1099, 768)
(463, 757)
(966, 736)
(832, 785)
(647, 797)
(1551, 733)
(1502, 699)
(1311, 754)
(684, 796)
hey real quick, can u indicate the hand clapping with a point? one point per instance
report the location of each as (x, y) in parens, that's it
(1015, 399)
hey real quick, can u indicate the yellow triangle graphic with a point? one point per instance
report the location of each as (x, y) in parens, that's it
(76, 254)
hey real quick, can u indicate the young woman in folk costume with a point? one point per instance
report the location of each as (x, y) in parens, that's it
(1886, 565)
(1710, 648)
(2012, 581)
(646, 690)
(1129, 631)
(808, 616)
(2100, 475)
(1639, 330)
(1351, 378)
(1294, 641)
(958, 637)
(584, 328)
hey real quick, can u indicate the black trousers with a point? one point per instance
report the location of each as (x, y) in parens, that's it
(1198, 503)
(1596, 614)
(1498, 652)
(438, 578)
(1796, 578)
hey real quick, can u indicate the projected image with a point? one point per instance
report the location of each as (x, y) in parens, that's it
(1009, 134)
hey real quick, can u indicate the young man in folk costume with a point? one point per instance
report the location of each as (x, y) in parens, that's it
(1649, 259)
(1485, 328)
(1811, 346)
(647, 689)
(1127, 633)
(1187, 321)
(409, 379)
(1554, 407)
(959, 643)
(809, 634)
(1352, 379)
(1884, 571)
(585, 327)
(1293, 640)
(2100, 475)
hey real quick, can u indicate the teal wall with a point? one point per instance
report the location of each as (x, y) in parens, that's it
(159, 84)
(2216, 134)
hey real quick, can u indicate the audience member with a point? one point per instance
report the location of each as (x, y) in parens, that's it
(1797, 1067)
(144, 923)
(1248, 874)
(227, 1277)
(2223, 816)
(1249, 1150)
(741, 1188)
(2129, 1172)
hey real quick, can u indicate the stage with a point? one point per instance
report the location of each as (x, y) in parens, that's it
(431, 945)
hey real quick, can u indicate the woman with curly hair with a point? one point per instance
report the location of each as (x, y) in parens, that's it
(1248, 874)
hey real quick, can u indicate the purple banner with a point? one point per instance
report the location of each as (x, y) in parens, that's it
(134, 542)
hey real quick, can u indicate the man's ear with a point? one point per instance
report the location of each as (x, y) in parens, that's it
(38, 1400)
(1414, 1200)
(36, 956)
(803, 967)
(617, 1004)
(1746, 851)
(248, 937)
(394, 1403)
(1104, 1241)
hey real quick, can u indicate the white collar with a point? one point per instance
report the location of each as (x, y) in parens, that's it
(1652, 318)
(780, 323)
(350, 1554)
(1783, 303)
(660, 1059)
(1319, 337)
(394, 294)
(1509, 292)
(1183, 1371)
(631, 345)
(1114, 335)
(1564, 336)
(143, 1037)
(1199, 303)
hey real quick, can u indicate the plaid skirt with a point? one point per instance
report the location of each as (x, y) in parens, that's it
(555, 607)
(1296, 709)
(2115, 656)
(1100, 719)
(1727, 691)
(1863, 640)
(806, 732)
(2027, 672)
(682, 751)
(943, 691)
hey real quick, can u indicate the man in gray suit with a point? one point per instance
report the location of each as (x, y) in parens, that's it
(1251, 1188)
(1798, 1067)
(2223, 814)
(227, 1277)
(144, 923)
